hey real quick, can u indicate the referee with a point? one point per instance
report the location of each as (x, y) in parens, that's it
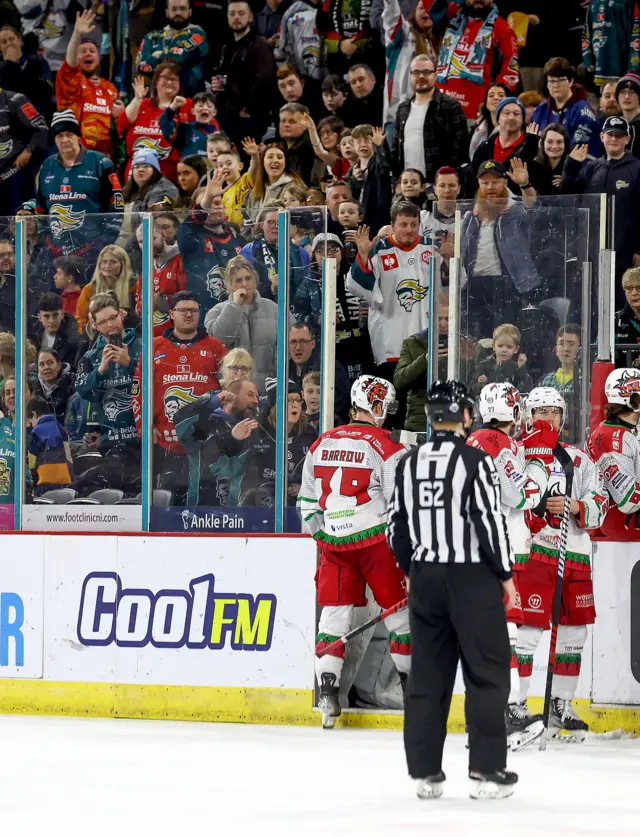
(449, 536)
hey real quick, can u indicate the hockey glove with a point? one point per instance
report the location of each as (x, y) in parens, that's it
(539, 441)
(534, 522)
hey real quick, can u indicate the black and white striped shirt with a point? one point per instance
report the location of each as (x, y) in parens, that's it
(446, 507)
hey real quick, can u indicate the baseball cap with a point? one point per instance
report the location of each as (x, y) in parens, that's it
(616, 125)
(326, 238)
(491, 167)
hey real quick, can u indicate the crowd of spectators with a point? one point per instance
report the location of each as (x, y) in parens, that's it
(216, 117)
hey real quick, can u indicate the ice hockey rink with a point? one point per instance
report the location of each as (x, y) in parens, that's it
(63, 776)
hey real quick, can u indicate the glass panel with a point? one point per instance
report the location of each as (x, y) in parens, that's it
(7, 370)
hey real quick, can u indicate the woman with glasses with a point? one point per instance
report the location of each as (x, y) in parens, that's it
(237, 365)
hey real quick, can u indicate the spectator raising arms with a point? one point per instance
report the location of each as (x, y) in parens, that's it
(190, 137)
(191, 170)
(271, 178)
(370, 177)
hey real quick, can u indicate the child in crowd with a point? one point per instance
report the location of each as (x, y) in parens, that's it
(370, 177)
(68, 278)
(411, 187)
(348, 148)
(237, 185)
(49, 453)
(506, 364)
(216, 145)
(350, 217)
(311, 397)
(190, 137)
(567, 350)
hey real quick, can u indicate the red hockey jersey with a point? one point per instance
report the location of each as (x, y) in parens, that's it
(168, 279)
(91, 101)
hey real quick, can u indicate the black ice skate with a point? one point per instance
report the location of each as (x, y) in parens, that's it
(430, 787)
(522, 728)
(564, 722)
(329, 703)
(497, 785)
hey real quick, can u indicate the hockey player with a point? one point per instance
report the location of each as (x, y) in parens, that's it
(537, 582)
(613, 445)
(522, 468)
(347, 482)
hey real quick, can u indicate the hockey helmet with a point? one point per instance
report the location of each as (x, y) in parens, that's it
(447, 400)
(499, 402)
(368, 390)
(545, 397)
(621, 386)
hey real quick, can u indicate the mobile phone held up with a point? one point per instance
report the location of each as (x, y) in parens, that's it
(115, 340)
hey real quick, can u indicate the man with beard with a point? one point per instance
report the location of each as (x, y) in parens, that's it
(92, 99)
(179, 41)
(478, 48)
(430, 129)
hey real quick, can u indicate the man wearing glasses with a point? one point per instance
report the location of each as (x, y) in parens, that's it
(430, 128)
(185, 366)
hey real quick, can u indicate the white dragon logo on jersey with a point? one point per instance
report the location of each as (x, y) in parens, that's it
(63, 219)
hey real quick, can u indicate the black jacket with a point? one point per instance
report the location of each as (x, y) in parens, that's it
(526, 152)
(59, 396)
(627, 331)
(374, 190)
(250, 69)
(446, 137)
(66, 342)
(342, 395)
(32, 77)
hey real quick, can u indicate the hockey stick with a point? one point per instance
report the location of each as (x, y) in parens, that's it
(360, 630)
(562, 457)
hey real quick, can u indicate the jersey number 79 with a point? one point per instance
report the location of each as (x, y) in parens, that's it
(354, 482)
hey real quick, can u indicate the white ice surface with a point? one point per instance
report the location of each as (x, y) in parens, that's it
(122, 778)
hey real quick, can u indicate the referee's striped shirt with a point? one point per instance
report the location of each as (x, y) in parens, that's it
(446, 507)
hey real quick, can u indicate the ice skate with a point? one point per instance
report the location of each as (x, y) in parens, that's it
(430, 787)
(522, 727)
(497, 785)
(564, 723)
(329, 703)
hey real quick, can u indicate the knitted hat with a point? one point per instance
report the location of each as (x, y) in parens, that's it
(272, 392)
(629, 82)
(64, 120)
(29, 205)
(145, 157)
(509, 100)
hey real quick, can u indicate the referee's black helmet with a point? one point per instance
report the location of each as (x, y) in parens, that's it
(447, 401)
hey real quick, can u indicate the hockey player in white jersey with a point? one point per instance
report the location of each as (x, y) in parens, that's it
(347, 482)
(538, 580)
(523, 482)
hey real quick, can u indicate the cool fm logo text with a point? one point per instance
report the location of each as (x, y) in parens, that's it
(195, 618)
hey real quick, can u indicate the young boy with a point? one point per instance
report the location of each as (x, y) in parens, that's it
(567, 349)
(49, 453)
(216, 145)
(190, 137)
(311, 397)
(350, 217)
(370, 177)
(347, 147)
(69, 272)
(505, 364)
(237, 185)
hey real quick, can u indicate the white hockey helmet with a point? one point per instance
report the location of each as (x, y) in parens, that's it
(620, 387)
(369, 390)
(499, 402)
(545, 397)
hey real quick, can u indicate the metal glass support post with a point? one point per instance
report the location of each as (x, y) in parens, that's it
(282, 365)
(20, 470)
(606, 305)
(434, 315)
(328, 344)
(147, 369)
(455, 275)
(585, 378)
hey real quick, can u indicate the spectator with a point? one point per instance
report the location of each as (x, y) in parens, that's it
(530, 99)
(49, 25)
(139, 123)
(56, 329)
(262, 252)
(295, 89)
(27, 209)
(370, 177)
(52, 381)
(186, 362)
(487, 123)
(237, 186)
(145, 190)
(430, 129)
(325, 140)
(567, 104)
(350, 217)
(628, 98)
(207, 244)
(113, 273)
(299, 42)
(7, 286)
(348, 148)
(609, 105)
(272, 177)
(609, 40)
(336, 99)
(567, 350)
(49, 453)
(627, 328)
(304, 357)
(506, 364)
(167, 223)
(366, 103)
(93, 100)
(438, 224)
(190, 137)
(105, 376)
(74, 183)
(546, 168)
(510, 141)
(243, 79)
(496, 254)
(268, 20)
(191, 170)
(69, 278)
(179, 41)
(216, 145)
(23, 142)
(168, 279)
(300, 154)
(246, 320)
(477, 49)
(348, 37)
(8, 355)
(336, 193)
(237, 365)
(7, 453)
(616, 174)
(311, 399)
(28, 74)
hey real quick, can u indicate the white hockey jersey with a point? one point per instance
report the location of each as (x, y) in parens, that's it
(587, 488)
(522, 484)
(615, 448)
(395, 284)
(347, 483)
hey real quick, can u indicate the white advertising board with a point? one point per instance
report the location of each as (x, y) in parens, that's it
(54, 518)
(21, 607)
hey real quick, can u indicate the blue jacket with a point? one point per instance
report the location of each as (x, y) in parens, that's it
(188, 137)
(577, 117)
(298, 260)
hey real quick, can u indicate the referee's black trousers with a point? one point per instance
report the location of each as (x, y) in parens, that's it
(456, 613)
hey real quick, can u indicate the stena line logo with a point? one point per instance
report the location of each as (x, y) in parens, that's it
(197, 618)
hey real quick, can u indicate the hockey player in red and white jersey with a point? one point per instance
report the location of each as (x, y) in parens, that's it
(614, 444)
(537, 582)
(523, 482)
(347, 482)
